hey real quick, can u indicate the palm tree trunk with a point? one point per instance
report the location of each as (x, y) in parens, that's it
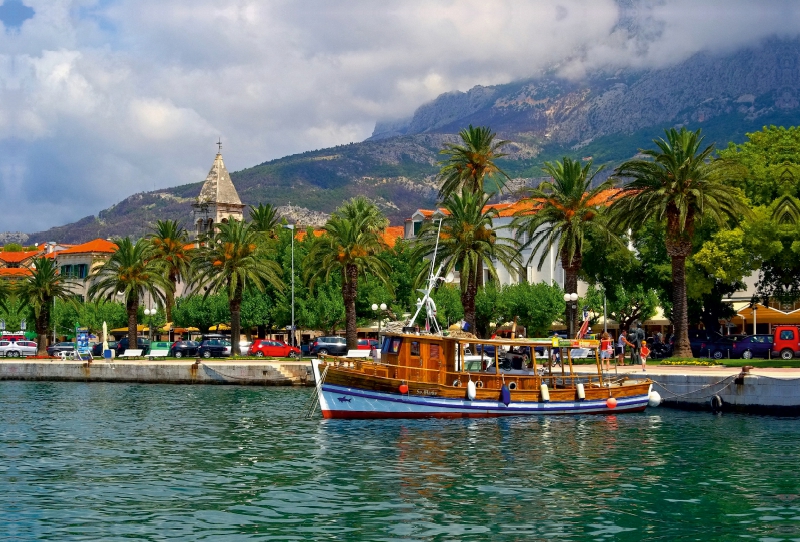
(468, 299)
(132, 306)
(169, 298)
(235, 306)
(680, 313)
(571, 270)
(349, 292)
(42, 321)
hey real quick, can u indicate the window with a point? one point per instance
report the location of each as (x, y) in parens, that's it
(787, 335)
(394, 345)
(417, 226)
(415, 348)
(434, 351)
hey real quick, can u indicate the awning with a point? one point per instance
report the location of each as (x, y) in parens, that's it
(220, 327)
(768, 315)
(658, 319)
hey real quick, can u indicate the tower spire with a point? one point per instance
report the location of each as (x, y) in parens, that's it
(219, 144)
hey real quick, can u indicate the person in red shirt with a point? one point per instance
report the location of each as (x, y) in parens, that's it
(606, 351)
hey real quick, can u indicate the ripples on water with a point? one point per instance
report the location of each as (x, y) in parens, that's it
(123, 462)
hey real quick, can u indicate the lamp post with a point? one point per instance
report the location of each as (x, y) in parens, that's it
(150, 313)
(291, 228)
(375, 308)
(570, 299)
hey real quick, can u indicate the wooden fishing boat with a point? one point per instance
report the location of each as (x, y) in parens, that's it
(434, 375)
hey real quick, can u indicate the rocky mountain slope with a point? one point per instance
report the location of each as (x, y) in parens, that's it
(606, 117)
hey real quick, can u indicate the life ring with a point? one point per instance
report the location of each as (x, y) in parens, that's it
(478, 384)
(456, 383)
(512, 386)
(716, 403)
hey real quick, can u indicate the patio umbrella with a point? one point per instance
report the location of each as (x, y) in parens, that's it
(105, 337)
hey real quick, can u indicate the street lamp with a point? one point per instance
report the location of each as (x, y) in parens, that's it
(383, 308)
(570, 299)
(291, 227)
(150, 313)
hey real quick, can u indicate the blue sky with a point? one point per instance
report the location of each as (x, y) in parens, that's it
(105, 98)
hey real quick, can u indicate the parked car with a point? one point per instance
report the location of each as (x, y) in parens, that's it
(214, 348)
(786, 342)
(336, 346)
(181, 349)
(753, 346)
(723, 347)
(17, 349)
(273, 349)
(141, 344)
(701, 341)
(97, 349)
(55, 349)
(367, 344)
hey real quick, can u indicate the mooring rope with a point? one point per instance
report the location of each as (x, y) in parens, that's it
(676, 395)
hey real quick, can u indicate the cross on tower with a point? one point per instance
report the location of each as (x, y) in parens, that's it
(219, 144)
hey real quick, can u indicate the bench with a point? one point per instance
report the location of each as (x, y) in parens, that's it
(357, 354)
(157, 354)
(130, 354)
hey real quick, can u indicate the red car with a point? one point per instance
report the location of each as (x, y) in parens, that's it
(273, 349)
(367, 344)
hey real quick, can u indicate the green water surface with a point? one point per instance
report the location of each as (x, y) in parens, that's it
(145, 462)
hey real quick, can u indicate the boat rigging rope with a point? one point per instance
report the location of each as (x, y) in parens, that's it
(676, 395)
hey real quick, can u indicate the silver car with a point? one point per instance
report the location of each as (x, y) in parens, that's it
(9, 349)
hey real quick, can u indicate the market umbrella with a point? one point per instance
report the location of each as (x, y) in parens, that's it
(105, 337)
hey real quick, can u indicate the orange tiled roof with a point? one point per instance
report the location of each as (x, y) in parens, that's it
(16, 257)
(98, 245)
(14, 271)
(392, 234)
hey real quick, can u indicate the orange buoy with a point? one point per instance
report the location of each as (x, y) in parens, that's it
(611, 402)
(403, 388)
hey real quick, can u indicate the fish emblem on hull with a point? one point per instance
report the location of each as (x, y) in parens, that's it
(344, 399)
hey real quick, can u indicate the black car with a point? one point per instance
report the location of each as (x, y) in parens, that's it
(181, 349)
(214, 348)
(55, 349)
(335, 346)
(141, 344)
(97, 349)
(753, 346)
(724, 347)
(702, 342)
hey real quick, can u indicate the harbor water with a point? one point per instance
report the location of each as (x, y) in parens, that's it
(108, 462)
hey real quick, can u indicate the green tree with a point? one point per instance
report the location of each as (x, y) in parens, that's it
(536, 306)
(469, 165)
(624, 305)
(6, 292)
(38, 290)
(265, 219)
(448, 304)
(351, 245)
(133, 271)
(324, 309)
(231, 262)
(568, 210)
(676, 185)
(467, 243)
(169, 241)
(201, 311)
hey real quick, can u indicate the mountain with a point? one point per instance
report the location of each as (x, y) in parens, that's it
(607, 117)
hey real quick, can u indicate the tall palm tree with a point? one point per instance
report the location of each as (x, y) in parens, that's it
(132, 271)
(351, 245)
(38, 290)
(676, 185)
(468, 242)
(169, 241)
(469, 165)
(265, 218)
(567, 209)
(6, 291)
(232, 261)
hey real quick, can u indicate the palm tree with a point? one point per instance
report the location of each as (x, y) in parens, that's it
(677, 186)
(232, 261)
(467, 243)
(38, 290)
(265, 218)
(351, 245)
(6, 291)
(169, 241)
(468, 165)
(567, 209)
(132, 271)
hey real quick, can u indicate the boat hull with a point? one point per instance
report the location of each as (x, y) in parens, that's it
(337, 401)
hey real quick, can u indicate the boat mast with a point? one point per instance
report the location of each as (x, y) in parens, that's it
(426, 301)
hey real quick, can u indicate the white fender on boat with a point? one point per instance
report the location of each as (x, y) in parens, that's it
(545, 393)
(654, 399)
(471, 391)
(581, 392)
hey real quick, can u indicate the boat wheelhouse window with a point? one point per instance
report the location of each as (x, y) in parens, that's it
(391, 345)
(387, 343)
(415, 348)
(434, 351)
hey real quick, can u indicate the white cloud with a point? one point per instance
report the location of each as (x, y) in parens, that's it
(107, 98)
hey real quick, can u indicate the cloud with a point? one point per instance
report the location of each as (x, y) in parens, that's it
(100, 99)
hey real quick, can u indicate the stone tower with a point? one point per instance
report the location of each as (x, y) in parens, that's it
(218, 200)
